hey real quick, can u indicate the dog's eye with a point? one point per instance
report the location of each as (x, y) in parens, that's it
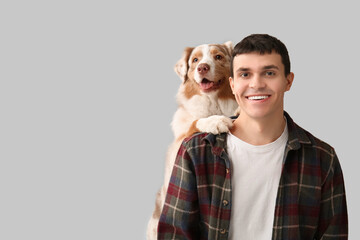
(218, 57)
(195, 60)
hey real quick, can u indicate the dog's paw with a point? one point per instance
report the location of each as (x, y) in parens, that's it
(214, 124)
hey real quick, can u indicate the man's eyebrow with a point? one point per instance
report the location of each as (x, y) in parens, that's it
(242, 69)
(245, 69)
(271, 67)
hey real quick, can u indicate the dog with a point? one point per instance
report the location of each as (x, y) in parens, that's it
(205, 103)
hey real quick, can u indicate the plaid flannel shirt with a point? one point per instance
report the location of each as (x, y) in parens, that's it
(310, 201)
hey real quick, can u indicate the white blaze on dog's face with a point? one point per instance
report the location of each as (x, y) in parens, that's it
(205, 69)
(209, 66)
(202, 64)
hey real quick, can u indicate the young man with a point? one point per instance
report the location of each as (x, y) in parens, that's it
(265, 179)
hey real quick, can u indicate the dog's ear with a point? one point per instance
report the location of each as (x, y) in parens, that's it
(229, 46)
(181, 67)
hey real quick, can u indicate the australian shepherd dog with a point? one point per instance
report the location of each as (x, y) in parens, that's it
(205, 103)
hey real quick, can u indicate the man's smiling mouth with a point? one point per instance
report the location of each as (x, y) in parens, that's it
(262, 97)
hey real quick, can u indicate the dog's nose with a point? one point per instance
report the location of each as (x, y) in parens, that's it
(203, 68)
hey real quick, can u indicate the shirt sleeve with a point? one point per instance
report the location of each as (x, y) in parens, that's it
(180, 215)
(333, 222)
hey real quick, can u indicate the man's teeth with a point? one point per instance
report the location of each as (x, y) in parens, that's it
(257, 97)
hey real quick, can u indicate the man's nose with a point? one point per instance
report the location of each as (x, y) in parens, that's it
(203, 68)
(257, 82)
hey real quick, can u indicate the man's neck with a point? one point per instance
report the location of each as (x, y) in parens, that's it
(258, 131)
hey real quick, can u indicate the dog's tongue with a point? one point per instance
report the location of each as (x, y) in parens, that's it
(205, 85)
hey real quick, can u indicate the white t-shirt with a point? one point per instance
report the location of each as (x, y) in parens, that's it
(256, 172)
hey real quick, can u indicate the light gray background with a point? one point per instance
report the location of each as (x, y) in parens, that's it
(88, 90)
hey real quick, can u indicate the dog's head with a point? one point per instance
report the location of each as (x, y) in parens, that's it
(207, 65)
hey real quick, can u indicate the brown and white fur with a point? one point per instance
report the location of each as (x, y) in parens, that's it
(205, 104)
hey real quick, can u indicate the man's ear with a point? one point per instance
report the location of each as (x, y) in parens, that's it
(231, 81)
(289, 79)
(181, 67)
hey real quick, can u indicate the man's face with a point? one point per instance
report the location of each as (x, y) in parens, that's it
(259, 84)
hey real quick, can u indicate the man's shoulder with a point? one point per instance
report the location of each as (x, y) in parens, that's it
(316, 152)
(316, 142)
(202, 138)
(305, 137)
(196, 137)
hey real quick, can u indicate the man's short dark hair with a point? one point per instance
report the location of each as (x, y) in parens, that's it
(261, 43)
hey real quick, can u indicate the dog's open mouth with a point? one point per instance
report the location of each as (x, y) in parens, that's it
(206, 85)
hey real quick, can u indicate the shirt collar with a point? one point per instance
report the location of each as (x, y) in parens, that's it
(297, 136)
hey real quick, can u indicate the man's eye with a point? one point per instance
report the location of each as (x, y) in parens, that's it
(270, 73)
(244, 75)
